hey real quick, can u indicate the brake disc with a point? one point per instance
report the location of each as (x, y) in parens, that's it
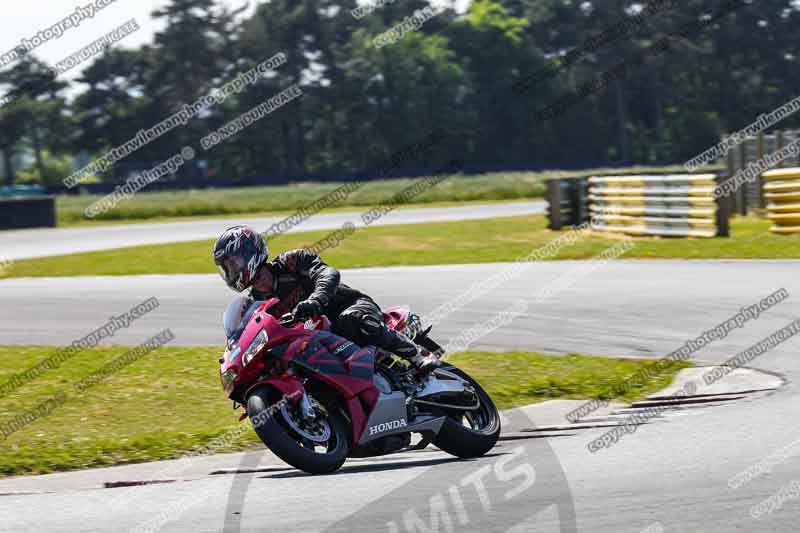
(316, 430)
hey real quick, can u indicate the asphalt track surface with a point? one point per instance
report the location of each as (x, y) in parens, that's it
(23, 244)
(670, 475)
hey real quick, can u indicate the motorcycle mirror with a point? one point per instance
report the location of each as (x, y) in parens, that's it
(287, 319)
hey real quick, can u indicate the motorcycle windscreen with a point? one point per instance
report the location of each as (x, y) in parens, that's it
(233, 315)
(239, 313)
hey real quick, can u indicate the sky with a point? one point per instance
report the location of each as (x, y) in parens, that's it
(23, 20)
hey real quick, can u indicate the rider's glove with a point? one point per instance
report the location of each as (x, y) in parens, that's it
(307, 309)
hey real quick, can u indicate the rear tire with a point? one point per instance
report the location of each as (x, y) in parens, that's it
(279, 437)
(457, 439)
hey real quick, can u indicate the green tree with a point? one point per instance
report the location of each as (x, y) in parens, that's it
(37, 104)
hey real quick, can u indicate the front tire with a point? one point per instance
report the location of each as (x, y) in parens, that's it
(480, 436)
(285, 442)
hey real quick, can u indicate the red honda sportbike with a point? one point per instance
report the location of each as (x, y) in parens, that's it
(315, 398)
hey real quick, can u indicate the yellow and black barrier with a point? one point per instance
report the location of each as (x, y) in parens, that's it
(782, 193)
(673, 205)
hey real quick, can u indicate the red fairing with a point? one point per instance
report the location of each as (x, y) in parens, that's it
(369, 398)
(345, 367)
(360, 397)
(289, 386)
(358, 418)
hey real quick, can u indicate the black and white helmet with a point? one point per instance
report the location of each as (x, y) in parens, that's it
(238, 253)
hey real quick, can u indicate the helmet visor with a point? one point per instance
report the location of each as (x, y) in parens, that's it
(231, 268)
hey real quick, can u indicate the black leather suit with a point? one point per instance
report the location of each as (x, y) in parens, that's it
(300, 275)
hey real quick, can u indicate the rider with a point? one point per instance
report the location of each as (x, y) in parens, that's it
(308, 287)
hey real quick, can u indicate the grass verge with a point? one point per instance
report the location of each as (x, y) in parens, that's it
(170, 402)
(147, 206)
(472, 241)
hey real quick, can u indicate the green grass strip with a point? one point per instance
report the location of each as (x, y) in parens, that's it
(170, 402)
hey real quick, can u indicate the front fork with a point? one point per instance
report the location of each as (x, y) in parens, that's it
(292, 389)
(306, 409)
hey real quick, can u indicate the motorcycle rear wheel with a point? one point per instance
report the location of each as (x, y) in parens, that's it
(483, 431)
(292, 447)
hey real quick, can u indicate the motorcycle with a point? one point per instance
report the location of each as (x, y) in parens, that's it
(315, 398)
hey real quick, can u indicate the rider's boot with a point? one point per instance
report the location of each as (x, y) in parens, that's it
(426, 363)
(400, 345)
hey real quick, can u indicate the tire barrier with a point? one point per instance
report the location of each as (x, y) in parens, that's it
(782, 193)
(672, 205)
(28, 212)
(567, 202)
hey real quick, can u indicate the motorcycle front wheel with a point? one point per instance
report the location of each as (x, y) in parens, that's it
(315, 446)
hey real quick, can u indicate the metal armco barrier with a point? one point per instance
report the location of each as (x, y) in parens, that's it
(782, 192)
(27, 212)
(674, 205)
(567, 202)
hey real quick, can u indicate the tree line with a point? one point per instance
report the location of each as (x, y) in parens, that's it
(489, 77)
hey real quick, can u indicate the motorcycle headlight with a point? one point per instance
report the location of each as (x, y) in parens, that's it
(227, 378)
(258, 343)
